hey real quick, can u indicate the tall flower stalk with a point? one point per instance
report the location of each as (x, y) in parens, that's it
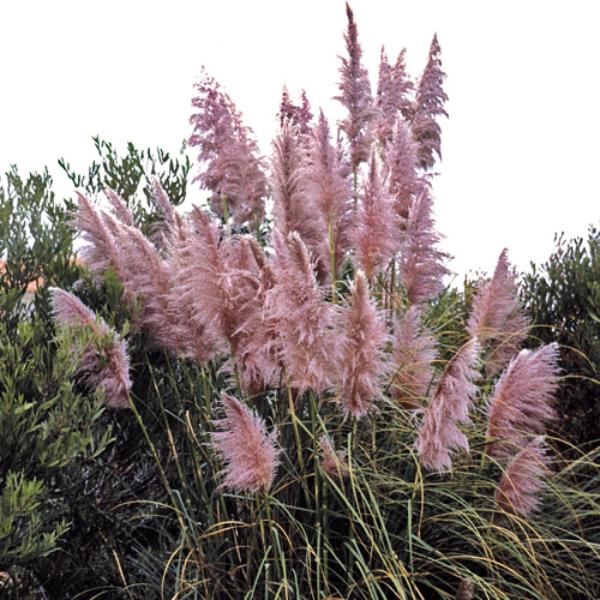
(355, 95)
(428, 107)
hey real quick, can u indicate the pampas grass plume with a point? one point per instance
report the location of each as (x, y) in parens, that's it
(248, 451)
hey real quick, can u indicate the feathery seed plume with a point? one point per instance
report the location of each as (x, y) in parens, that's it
(375, 236)
(497, 318)
(392, 99)
(103, 365)
(400, 164)
(100, 250)
(428, 106)
(521, 403)
(421, 263)
(299, 318)
(250, 454)
(328, 191)
(364, 337)
(119, 207)
(292, 210)
(228, 155)
(355, 95)
(439, 434)
(524, 477)
(414, 353)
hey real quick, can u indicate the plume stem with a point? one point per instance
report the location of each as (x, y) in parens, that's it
(331, 238)
(294, 419)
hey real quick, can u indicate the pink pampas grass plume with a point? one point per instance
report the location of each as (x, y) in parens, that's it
(392, 99)
(304, 114)
(400, 165)
(206, 282)
(428, 106)
(355, 96)
(119, 207)
(414, 353)
(440, 435)
(300, 319)
(421, 264)
(170, 223)
(521, 403)
(103, 365)
(255, 356)
(362, 365)
(497, 318)
(149, 275)
(214, 281)
(228, 157)
(332, 462)
(248, 451)
(524, 477)
(196, 340)
(298, 117)
(375, 236)
(100, 250)
(328, 191)
(292, 210)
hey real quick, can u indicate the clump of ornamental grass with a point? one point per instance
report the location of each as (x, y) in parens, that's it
(312, 443)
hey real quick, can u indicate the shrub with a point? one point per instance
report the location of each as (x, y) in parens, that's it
(563, 298)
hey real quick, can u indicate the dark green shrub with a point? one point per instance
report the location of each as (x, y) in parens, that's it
(562, 297)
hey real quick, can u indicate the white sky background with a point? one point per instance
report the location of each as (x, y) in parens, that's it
(520, 148)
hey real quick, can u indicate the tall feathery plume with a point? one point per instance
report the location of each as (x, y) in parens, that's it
(329, 193)
(428, 106)
(355, 95)
(521, 403)
(375, 236)
(298, 116)
(384, 105)
(170, 222)
(100, 250)
(102, 365)
(250, 454)
(524, 477)
(421, 263)
(362, 364)
(197, 340)
(287, 109)
(401, 169)
(414, 354)
(304, 115)
(392, 99)
(256, 358)
(149, 275)
(206, 283)
(439, 434)
(228, 155)
(119, 207)
(291, 209)
(402, 86)
(497, 318)
(301, 320)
